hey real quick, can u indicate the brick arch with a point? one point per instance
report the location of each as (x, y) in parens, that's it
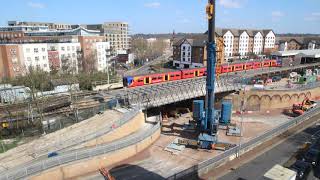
(276, 101)
(265, 102)
(286, 98)
(294, 98)
(253, 103)
(308, 94)
(302, 96)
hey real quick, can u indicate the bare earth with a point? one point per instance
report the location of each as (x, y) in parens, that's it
(158, 161)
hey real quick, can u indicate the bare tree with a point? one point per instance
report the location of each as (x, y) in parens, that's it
(89, 63)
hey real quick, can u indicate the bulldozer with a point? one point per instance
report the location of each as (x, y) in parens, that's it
(300, 108)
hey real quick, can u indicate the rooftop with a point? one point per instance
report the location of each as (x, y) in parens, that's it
(311, 53)
(279, 173)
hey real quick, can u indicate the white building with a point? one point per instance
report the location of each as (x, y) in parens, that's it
(228, 38)
(103, 55)
(269, 40)
(244, 43)
(258, 43)
(67, 53)
(35, 56)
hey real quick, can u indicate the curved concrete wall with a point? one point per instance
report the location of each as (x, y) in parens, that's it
(76, 169)
(257, 100)
(119, 132)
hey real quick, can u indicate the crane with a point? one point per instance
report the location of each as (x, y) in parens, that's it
(207, 122)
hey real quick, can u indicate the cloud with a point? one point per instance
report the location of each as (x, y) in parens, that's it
(152, 5)
(232, 3)
(276, 14)
(36, 5)
(185, 21)
(316, 14)
(313, 17)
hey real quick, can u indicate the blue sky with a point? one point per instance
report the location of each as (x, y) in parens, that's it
(164, 16)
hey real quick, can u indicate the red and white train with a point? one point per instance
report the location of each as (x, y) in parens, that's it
(142, 80)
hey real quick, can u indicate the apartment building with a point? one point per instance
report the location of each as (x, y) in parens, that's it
(103, 55)
(51, 26)
(192, 52)
(117, 33)
(64, 57)
(35, 56)
(10, 61)
(93, 49)
(243, 42)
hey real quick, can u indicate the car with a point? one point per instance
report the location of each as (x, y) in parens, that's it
(312, 156)
(52, 154)
(302, 169)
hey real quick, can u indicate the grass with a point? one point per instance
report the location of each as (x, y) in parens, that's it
(7, 146)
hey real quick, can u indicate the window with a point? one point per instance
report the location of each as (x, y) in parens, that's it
(73, 48)
(28, 58)
(43, 49)
(183, 59)
(62, 48)
(28, 50)
(68, 48)
(44, 57)
(45, 65)
(36, 58)
(35, 50)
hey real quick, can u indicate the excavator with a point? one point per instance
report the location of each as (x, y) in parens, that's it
(300, 108)
(106, 174)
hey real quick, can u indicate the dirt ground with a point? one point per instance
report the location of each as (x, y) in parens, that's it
(159, 161)
(54, 141)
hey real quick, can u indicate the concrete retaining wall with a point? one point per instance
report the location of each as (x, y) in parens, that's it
(79, 168)
(128, 128)
(259, 100)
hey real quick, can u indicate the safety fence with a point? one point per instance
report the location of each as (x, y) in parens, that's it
(42, 165)
(205, 166)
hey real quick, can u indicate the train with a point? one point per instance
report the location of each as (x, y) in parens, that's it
(143, 80)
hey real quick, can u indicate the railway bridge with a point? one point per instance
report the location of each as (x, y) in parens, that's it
(174, 91)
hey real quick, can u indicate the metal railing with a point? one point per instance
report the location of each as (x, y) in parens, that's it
(246, 146)
(40, 152)
(69, 142)
(36, 167)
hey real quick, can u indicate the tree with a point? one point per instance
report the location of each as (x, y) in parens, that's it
(89, 62)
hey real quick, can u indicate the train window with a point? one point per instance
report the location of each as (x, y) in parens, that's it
(154, 78)
(172, 75)
(159, 77)
(177, 75)
(140, 80)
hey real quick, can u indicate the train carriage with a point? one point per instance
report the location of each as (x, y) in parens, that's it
(133, 81)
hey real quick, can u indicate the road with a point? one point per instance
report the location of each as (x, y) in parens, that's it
(279, 154)
(145, 69)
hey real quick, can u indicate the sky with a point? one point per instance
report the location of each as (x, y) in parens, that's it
(164, 16)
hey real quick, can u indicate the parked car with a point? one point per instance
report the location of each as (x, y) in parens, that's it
(312, 156)
(302, 169)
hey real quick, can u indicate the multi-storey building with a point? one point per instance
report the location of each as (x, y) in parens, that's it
(61, 57)
(191, 53)
(52, 26)
(243, 42)
(10, 61)
(91, 52)
(35, 56)
(64, 56)
(103, 55)
(117, 33)
(297, 43)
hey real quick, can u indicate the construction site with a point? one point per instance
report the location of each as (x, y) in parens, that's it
(183, 124)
